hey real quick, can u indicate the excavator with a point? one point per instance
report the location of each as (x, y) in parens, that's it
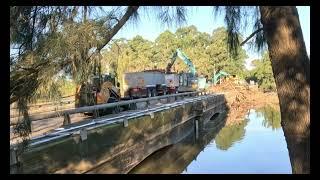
(189, 79)
(216, 77)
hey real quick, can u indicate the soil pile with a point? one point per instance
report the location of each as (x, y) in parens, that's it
(242, 98)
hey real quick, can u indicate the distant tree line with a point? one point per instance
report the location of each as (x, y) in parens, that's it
(209, 53)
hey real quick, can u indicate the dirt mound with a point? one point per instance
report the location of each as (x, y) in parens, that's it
(242, 98)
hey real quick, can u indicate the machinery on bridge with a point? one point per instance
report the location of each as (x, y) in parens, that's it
(217, 76)
(99, 89)
(187, 81)
(147, 83)
(185, 58)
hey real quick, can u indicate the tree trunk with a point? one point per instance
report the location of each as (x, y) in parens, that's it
(291, 69)
(85, 10)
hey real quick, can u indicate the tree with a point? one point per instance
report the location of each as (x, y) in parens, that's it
(47, 40)
(142, 54)
(262, 73)
(165, 45)
(279, 26)
(220, 57)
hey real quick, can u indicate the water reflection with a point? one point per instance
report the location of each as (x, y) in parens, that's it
(256, 145)
(271, 117)
(230, 134)
(175, 158)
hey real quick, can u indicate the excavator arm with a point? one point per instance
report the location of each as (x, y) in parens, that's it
(217, 76)
(170, 64)
(185, 59)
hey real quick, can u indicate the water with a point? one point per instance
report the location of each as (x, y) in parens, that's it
(256, 145)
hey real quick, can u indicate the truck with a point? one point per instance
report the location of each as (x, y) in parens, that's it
(147, 83)
(172, 82)
(102, 89)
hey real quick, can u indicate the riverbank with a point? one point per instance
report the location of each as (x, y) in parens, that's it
(241, 98)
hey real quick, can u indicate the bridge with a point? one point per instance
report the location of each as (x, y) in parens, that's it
(117, 143)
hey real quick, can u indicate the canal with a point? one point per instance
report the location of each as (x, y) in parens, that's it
(255, 145)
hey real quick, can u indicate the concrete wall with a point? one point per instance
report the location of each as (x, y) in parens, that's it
(174, 159)
(114, 148)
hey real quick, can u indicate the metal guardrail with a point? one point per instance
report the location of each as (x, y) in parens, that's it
(46, 109)
(101, 122)
(66, 113)
(48, 103)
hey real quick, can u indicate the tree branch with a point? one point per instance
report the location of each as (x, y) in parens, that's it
(130, 11)
(33, 23)
(115, 18)
(251, 35)
(118, 26)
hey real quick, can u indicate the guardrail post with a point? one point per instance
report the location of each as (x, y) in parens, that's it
(95, 113)
(125, 122)
(151, 115)
(14, 161)
(148, 103)
(133, 106)
(66, 119)
(83, 143)
(13, 156)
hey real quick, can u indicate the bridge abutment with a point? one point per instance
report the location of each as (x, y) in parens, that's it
(119, 146)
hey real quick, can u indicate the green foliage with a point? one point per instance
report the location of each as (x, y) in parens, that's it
(271, 117)
(49, 40)
(236, 19)
(230, 134)
(220, 57)
(262, 73)
(208, 53)
(67, 87)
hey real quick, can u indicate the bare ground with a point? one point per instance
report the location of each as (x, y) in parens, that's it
(242, 98)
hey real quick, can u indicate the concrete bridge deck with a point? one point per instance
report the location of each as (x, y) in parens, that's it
(116, 143)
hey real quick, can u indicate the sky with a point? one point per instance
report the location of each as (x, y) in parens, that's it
(203, 18)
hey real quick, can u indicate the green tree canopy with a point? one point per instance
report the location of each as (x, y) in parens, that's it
(207, 52)
(262, 73)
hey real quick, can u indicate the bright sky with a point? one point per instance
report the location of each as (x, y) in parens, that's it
(202, 17)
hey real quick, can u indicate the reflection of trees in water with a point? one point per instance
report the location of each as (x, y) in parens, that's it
(230, 134)
(271, 117)
(175, 158)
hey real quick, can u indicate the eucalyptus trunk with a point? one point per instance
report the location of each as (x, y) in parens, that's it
(291, 69)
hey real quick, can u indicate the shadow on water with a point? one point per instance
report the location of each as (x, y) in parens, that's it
(255, 145)
(175, 158)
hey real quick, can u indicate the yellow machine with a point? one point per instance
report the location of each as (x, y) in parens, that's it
(98, 90)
